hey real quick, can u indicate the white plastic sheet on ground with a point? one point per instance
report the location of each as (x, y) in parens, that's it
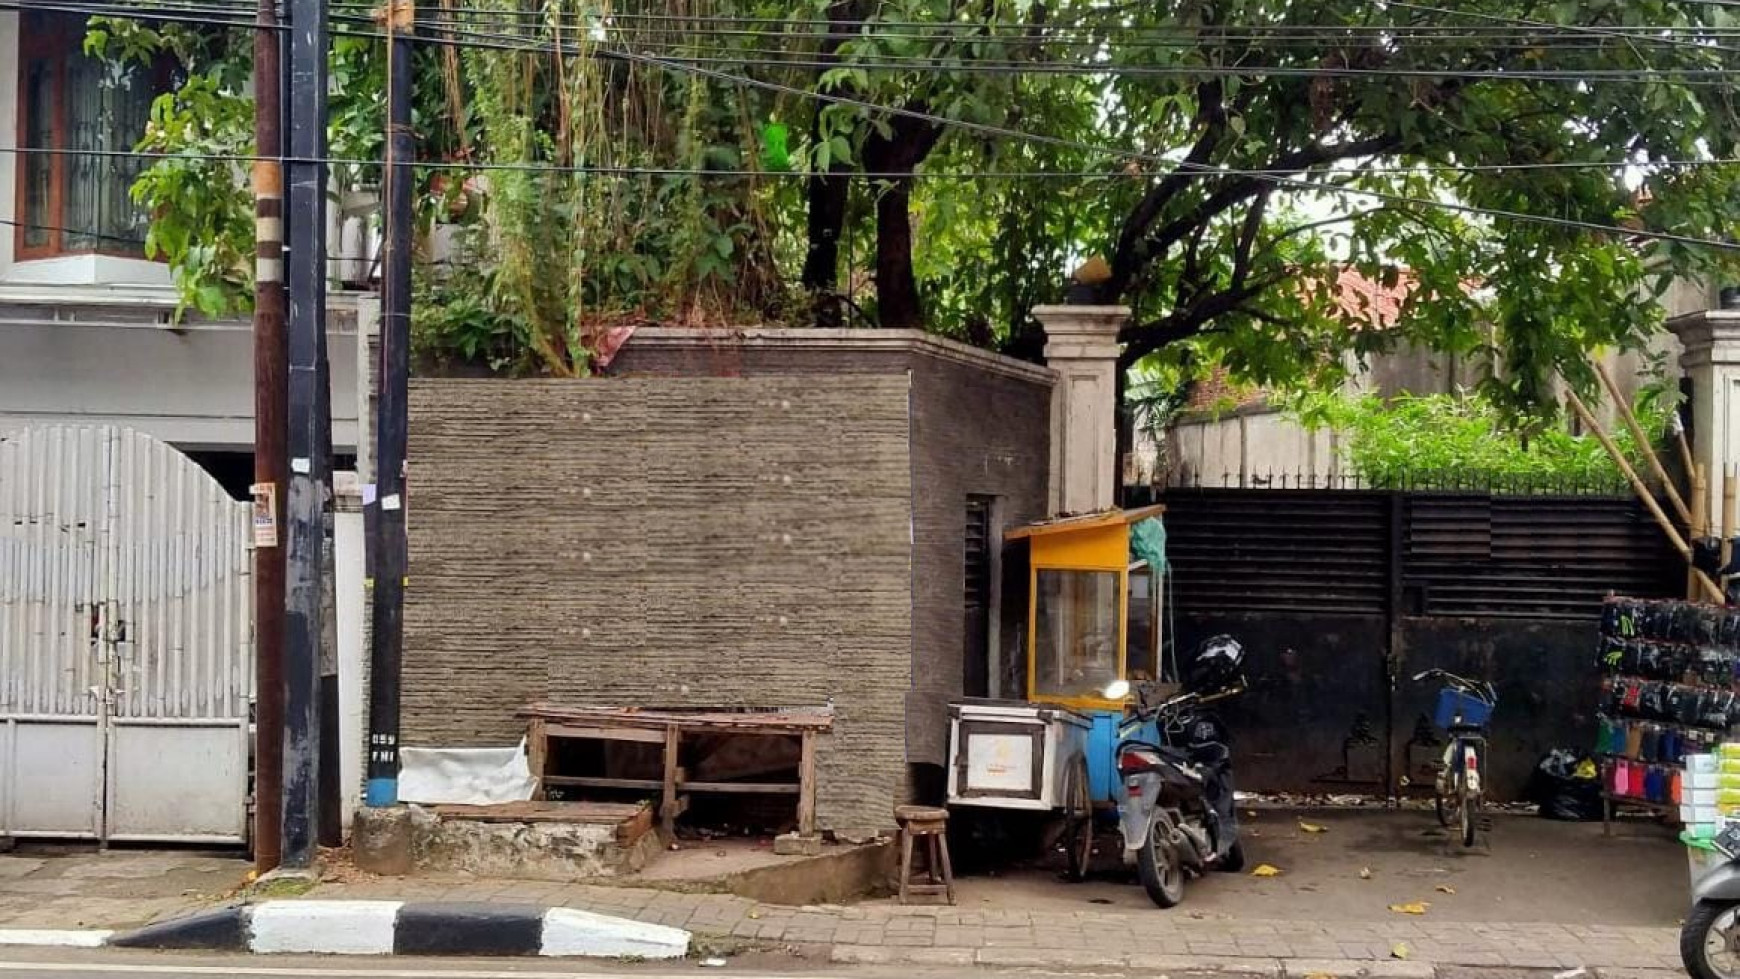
(465, 776)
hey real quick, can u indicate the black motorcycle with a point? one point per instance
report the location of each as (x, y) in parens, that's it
(1174, 762)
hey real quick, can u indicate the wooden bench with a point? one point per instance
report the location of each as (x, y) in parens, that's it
(668, 729)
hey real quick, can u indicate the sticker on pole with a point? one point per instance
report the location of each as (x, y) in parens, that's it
(265, 514)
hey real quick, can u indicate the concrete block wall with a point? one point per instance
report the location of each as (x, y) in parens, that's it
(662, 543)
(761, 518)
(975, 433)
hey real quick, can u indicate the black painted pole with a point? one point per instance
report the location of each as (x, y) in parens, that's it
(392, 421)
(306, 503)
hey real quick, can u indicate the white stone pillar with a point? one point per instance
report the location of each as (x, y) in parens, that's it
(1081, 345)
(1711, 340)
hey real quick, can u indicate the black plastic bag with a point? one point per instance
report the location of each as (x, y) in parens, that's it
(1561, 791)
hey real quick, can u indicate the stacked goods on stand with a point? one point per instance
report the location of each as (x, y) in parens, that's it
(1710, 803)
(1671, 690)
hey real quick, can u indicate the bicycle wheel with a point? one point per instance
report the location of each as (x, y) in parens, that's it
(1468, 809)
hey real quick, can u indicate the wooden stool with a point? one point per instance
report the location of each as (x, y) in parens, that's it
(933, 825)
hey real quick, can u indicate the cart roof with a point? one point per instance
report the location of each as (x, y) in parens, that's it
(1084, 521)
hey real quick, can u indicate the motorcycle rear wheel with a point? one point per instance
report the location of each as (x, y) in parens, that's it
(1161, 871)
(1709, 945)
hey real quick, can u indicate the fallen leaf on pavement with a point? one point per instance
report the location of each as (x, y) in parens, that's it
(1400, 951)
(755, 914)
(1365, 873)
(1412, 907)
(1312, 827)
(1446, 889)
(1265, 870)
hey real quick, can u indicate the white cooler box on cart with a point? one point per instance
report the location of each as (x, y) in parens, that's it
(1009, 754)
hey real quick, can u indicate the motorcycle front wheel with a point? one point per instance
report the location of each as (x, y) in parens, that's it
(1159, 867)
(1710, 940)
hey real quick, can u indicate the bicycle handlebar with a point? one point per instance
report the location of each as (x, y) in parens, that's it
(1476, 687)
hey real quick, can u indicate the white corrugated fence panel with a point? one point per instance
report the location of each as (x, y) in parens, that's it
(125, 634)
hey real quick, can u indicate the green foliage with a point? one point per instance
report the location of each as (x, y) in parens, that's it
(1224, 156)
(198, 196)
(1417, 440)
(201, 207)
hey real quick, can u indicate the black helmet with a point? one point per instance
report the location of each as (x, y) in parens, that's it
(1218, 664)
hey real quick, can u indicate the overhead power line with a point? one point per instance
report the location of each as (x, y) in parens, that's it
(1116, 174)
(521, 45)
(1037, 138)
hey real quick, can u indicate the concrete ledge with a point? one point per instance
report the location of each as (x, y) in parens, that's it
(49, 938)
(220, 930)
(571, 932)
(840, 873)
(393, 928)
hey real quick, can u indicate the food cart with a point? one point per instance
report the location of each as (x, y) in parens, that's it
(1094, 616)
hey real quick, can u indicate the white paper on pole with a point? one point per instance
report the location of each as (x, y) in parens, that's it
(465, 776)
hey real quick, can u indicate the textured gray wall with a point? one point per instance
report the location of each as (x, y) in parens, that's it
(667, 583)
(666, 542)
(974, 433)
(980, 426)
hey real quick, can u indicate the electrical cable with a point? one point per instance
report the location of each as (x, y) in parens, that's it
(1037, 138)
(518, 45)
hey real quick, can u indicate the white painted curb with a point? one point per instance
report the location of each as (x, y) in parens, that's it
(571, 932)
(324, 927)
(56, 939)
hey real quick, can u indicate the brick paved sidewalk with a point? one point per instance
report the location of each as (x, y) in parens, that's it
(1157, 940)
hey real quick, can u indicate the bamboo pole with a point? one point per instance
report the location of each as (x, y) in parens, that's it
(1697, 527)
(1685, 446)
(1643, 493)
(1730, 511)
(1643, 442)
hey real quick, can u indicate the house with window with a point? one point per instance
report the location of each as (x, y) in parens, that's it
(87, 327)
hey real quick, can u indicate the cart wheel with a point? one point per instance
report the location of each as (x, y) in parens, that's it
(1078, 814)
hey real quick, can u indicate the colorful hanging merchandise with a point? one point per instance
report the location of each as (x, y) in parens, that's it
(1670, 691)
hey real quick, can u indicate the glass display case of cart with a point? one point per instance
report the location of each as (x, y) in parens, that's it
(1095, 608)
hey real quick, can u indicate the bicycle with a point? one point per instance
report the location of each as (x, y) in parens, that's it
(1464, 708)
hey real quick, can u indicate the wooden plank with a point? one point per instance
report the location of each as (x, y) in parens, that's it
(592, 813)
(537, 753)
(559, 730)
(668, 805)
(733, 788)
(590, 781)
(807, 787)
(630, 831)
(677, 785)
(771, 722)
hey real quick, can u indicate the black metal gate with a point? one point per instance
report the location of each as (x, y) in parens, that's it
(1340, 595)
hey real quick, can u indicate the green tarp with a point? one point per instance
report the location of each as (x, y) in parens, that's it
(1148, 543)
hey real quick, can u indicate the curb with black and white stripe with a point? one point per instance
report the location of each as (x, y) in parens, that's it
(409, 928)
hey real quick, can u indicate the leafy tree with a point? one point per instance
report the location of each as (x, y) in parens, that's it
(712, 160)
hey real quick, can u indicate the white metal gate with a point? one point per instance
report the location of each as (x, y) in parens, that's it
(126, 654)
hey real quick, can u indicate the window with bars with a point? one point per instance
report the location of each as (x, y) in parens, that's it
(72, 109)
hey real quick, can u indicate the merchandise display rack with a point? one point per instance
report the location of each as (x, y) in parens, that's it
(1670, 688)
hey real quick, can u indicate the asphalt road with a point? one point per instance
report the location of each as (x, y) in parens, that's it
(24, 963)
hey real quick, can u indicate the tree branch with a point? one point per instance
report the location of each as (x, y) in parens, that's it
(1240, 188)
(1248, 239)
(1211, 115)
(1139, 340)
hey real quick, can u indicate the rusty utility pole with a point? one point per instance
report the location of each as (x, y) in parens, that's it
(271, 397)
